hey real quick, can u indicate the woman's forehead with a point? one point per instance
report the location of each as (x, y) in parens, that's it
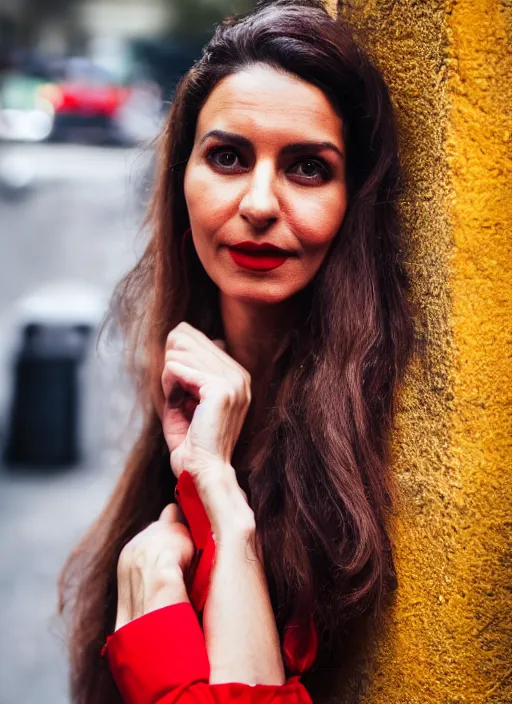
(262, 99)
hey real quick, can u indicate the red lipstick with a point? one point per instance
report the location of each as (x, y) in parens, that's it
(258, 257)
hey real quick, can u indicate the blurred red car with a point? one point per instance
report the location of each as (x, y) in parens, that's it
(85, 100)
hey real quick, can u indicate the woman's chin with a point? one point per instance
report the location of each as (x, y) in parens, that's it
(260, 293)
(258, 300)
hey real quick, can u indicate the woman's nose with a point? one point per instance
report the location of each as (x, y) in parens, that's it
(259, 204)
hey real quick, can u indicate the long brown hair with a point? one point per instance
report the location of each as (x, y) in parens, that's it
(319, 460)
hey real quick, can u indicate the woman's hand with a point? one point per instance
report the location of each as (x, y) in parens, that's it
(202, 429)
(151, 567)
(207, 398)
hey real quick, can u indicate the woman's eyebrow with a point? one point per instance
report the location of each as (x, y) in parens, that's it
(297, 148)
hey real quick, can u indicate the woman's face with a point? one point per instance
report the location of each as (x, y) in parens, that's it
(267, 166)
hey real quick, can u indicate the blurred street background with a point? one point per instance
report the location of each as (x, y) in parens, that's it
(85, 86)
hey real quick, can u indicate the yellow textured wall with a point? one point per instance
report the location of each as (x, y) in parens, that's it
(448, 65)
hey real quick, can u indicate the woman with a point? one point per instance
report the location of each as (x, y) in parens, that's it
(267, 377)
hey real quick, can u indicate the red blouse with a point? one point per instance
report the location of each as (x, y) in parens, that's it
(161, 657)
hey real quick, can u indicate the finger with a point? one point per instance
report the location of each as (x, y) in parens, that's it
(206, 359)
(172, 513)
(220, 343)
(205, 354)
(189, 379)
(124, 597)
(123, 616)
(197, 340)
(192, 380)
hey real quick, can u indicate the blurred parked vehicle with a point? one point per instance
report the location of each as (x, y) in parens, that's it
(87, 101)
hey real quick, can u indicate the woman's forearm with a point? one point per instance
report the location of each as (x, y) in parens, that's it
(238, 621)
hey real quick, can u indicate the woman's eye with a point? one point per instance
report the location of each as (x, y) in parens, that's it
(223, 157)
(312, 169)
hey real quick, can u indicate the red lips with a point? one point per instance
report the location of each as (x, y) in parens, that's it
(261, 246)
(258, 257)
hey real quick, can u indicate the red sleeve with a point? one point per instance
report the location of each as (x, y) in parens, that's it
(161, 658)
(201, 693)
(158, 652)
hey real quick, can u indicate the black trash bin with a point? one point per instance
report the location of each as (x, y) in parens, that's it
(44, 420)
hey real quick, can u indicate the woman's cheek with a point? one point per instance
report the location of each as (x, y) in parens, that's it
(194, 194)
(210, 205)
(318, 221)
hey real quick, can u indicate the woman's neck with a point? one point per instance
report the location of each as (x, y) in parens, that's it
(255, 334)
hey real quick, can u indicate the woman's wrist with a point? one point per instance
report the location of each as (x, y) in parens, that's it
(149, 594)
(168, 590)
(231, 517)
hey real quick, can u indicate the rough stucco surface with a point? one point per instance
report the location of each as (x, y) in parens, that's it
(480, 160)
(448, 65)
